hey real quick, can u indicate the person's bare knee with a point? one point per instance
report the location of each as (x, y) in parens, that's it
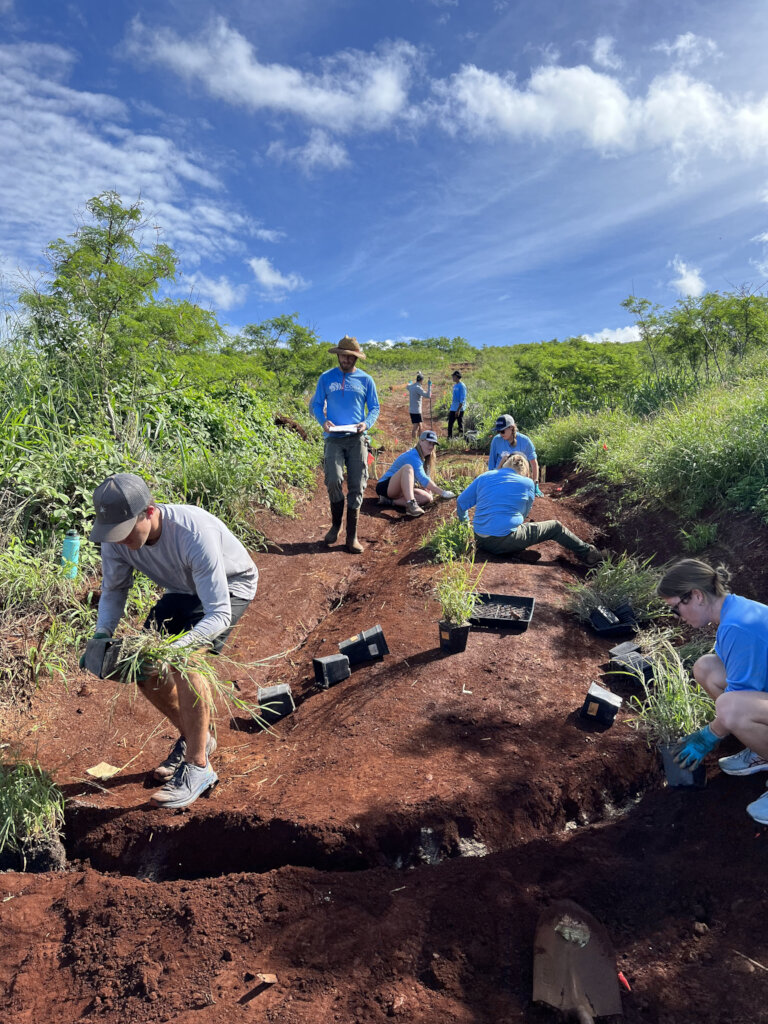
(709, 673)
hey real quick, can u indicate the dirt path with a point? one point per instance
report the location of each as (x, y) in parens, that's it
(386, 850)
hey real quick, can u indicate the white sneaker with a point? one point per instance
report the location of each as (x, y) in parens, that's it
(412, 508)
(746, 762)
(758, 809)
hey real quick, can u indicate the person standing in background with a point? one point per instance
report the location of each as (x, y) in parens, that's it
(339, 403)
(458, 401)
(415, 395)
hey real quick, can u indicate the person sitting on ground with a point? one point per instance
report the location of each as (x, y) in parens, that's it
(415, 467)
(507, 441)
(415, 395)
(502, 499)
(735, 675)
(458, 402)
(209, 580)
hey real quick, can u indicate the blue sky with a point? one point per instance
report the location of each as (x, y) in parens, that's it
(505, 171)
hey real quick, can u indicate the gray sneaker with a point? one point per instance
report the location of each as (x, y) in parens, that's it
(188, 783)
(167, 769)
(412, 508)
(746, 762)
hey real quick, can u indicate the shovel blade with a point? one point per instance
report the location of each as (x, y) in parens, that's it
(574, 967)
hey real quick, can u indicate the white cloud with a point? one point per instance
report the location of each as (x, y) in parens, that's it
(614, 334)
(352, 89)
(274, 284)
(62, 146)
(321, 151)
(268, 235)
(604, 55)
(689, 281)
(444, 3)
(678, 114)
(689, 50)
(221, 292)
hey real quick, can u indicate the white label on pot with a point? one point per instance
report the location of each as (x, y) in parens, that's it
(373, 650)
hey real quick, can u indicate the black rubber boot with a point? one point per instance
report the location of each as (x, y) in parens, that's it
(354, 547)
(337, 514)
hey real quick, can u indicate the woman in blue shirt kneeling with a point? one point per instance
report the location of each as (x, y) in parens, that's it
(735, 675)
(408, 481)
(502, 499)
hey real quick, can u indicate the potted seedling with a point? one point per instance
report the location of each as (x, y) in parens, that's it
(673, 706)
(456, 591)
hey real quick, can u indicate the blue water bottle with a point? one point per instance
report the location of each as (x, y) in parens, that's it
(70, 553)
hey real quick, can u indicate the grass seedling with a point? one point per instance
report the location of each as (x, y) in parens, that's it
(31, 807)
(450, 540)
(456, 590)
(673, 705)
(616, 580)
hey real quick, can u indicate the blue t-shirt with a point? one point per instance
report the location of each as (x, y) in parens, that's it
(342, 397)
(411, 458)
(742, 643)
(501, 448)
(459, 395)
(502, 498)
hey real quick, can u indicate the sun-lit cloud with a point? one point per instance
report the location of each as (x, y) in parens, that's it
(351, 90)
(689, 50)
(320, 152)
(688, 282)
(221, 293)
(614, 334)
(604, 55)
(272, 282)
(678, 114)
(61, 146)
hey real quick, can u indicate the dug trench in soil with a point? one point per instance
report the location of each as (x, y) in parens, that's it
(458, 790)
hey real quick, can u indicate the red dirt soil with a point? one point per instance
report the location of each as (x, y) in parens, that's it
(386, 850)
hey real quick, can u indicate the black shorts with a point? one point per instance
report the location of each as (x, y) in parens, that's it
(416, 417)
(179, 613)
(382, 486)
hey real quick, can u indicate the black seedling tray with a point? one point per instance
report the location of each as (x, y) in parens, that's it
(503, 611)
(607, 625)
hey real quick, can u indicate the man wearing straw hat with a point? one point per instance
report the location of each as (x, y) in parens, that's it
(339, 405)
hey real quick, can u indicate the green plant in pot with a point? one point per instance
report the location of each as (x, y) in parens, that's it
(456, 590)
(672, 707)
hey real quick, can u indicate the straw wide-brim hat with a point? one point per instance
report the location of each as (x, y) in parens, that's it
(348, 346)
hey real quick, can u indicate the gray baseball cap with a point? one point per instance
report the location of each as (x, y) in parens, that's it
(502, 423)
(118, 503)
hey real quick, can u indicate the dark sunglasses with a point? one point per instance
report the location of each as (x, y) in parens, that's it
(675, 610)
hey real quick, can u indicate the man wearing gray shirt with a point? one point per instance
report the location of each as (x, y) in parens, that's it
(209, 580)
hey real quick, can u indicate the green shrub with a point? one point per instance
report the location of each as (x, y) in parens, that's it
(618, 579)
(31, 807)
(450, 540)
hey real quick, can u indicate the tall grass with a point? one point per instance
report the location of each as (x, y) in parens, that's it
(672, 705)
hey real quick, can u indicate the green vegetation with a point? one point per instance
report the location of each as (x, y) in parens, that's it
(450, 540)
(672, 706)
(618, 579)
(456, 590)
(31, 808)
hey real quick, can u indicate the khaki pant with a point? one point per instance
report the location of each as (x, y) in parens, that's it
(350, 451)
(528, 534)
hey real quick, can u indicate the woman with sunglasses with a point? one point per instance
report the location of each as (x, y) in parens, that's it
(408, 481)
(735, 675)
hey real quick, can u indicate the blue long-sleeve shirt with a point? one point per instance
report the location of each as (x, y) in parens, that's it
(501, 448)
(459, 396)
(411, 457)
(342, 398)
(501, 498)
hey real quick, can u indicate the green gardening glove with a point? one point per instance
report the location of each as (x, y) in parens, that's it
(101, 635)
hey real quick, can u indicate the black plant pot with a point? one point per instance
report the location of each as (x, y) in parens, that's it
(453, 638)
(676, 774)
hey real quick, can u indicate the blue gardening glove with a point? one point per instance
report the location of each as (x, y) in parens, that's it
(538, 491)
(96, 636)
(694, 748)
